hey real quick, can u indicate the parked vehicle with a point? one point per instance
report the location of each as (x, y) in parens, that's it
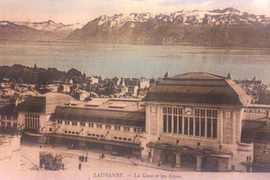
(48, 161)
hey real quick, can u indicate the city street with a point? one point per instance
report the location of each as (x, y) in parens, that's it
(110, 167)
(24, 164)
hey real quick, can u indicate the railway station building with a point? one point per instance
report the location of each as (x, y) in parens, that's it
(195, 120)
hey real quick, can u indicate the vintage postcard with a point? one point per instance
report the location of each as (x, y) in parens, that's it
(134, 89)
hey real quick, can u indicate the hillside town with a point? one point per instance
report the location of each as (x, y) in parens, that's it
(197, 120)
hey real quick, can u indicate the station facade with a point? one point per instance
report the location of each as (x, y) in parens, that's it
(195, 120)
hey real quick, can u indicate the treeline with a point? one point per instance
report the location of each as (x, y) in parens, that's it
(35, 75)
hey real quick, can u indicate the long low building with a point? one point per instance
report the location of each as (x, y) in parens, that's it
(109, 124)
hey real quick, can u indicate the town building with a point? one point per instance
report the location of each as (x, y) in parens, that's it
(113, 125)
(133, 90)
(195, 120)
(107, 124)
(64, 88)
(256, 130)
(35, 112)
(8, 119)
(144, 84)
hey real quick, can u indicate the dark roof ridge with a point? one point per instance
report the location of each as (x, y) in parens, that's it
(197, 75)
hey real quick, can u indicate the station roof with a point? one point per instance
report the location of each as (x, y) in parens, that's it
(104, 110)
(45, 103)
(198, 87)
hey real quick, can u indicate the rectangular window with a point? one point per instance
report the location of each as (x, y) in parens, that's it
(197, 112)
(82, 123)
(137, 129)
(174, 124)
(169, 124)
(108, 126)
(180, 111)
(209, 113)
(208, 130)
(185, 125)
(91, 124)
(126, 128)
(169, 110)
(214, 128)
(99, 126)
(202, 127)
(164, 123)
(15, 125)
(117, 128)
(180, 121)
(164, 110)
(191, 126)
(215, 113)
(174, 110)
(66, 122)
(74, 123)
(202, 113)
(197, 126)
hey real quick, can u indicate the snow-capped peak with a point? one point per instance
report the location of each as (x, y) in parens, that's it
(50, 26)
(227, 16)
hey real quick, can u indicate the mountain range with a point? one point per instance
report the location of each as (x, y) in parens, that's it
(220, 27)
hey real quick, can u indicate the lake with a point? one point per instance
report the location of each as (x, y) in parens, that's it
(139, 60)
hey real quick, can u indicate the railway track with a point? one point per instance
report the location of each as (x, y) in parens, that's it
(31, 160)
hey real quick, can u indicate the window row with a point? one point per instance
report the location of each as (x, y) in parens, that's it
(198, 126)
(32, 123)
(95, 135)
(8, 117)
(122, 139)
(206, 112)
(71, 132)
(8, 124)
(36, 116)
(198, 112)
(100, 126)
(172, 110)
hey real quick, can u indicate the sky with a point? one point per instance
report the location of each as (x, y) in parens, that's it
(83, 11)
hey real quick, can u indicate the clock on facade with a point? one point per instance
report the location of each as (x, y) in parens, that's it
(188, 110)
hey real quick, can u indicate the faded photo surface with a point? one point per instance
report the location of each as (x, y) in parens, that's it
(134, 89)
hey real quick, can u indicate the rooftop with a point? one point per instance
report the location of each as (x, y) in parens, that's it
(104, 110)
(198, 87)
(45, 103)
